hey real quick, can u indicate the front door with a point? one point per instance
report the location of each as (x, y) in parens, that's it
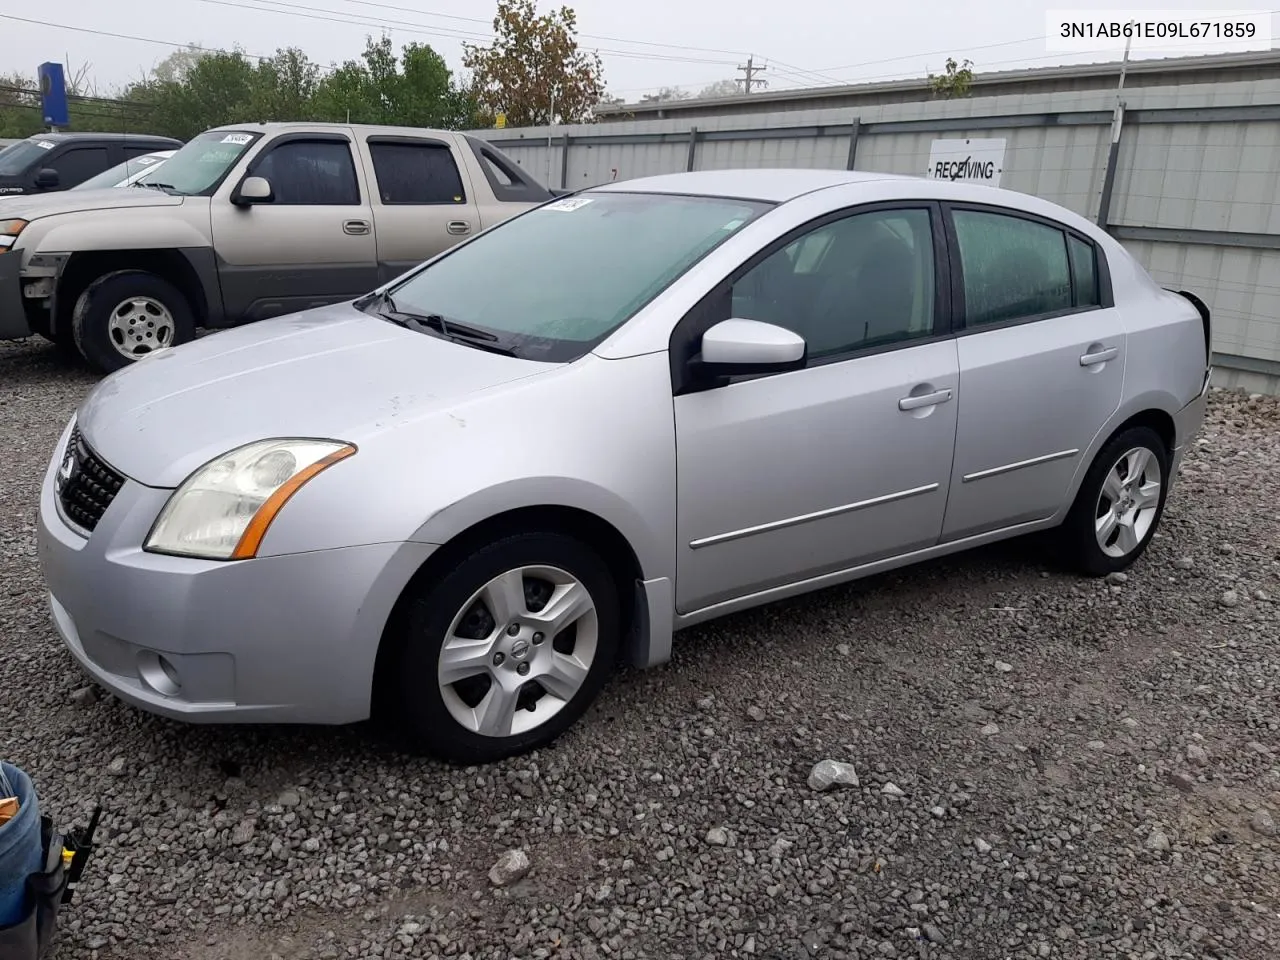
(847, 461)
(1042, 358)
(313, 244)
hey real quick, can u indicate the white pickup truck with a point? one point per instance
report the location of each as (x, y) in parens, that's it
(243, 223)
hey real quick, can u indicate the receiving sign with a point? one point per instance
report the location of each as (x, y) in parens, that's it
(975, 161)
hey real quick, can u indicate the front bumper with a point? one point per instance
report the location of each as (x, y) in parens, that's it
(286, 639)
(13, 318)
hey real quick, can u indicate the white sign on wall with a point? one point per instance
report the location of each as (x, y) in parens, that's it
(974, 161)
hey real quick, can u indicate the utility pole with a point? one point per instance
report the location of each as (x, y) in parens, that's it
(749, 74)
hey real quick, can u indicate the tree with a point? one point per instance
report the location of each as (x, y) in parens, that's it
(665, 94)
(533, 60)
(955, 82)
(721, 88)
(415, 89)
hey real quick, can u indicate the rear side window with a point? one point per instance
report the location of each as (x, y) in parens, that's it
(311, 173)
(1013, 268)
(416, 173)
(1084, 273)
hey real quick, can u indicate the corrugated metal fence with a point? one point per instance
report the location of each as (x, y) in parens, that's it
(1194, 192)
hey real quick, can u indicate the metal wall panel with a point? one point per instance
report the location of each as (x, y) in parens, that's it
(1213, 166)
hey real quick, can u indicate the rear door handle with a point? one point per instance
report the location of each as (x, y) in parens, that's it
(927, 400)
(1100, 356)
(357, 228)
(459, 226)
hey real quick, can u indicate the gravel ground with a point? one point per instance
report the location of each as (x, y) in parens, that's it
(1046, 766)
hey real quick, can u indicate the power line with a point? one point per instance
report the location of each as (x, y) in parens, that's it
(309, 13)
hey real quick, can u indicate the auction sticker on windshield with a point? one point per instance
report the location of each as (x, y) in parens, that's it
(569, 204)
(240, 138)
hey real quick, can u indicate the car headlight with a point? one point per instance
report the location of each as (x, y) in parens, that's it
(9, 230)
(223, 510)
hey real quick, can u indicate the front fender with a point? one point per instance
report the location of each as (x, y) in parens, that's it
(90, 232)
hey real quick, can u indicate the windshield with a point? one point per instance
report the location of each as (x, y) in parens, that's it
(19, 157)
(120, 172)
(199, 166)
(554, 282)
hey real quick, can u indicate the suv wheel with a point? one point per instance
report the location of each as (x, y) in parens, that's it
(1120, 503)
(127, 315)
(506, 652)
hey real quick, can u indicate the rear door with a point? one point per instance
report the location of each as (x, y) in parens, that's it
(1042, 357)
(422, 202)
(312, 245)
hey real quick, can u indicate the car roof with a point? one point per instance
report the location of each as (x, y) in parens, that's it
(771, 185)
(79, 135)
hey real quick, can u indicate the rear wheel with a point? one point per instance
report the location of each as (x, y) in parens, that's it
(1120, 503)
(127, 315)
(507, 651)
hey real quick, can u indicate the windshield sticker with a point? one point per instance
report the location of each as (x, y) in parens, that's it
(733, 224)
(570, 204)
(45, 145)
(146, 161)
(239, 138)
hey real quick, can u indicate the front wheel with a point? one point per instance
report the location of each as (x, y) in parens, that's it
(127, 315)
(1120, 503)
(507, 651)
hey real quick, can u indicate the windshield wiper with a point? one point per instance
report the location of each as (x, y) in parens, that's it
(452, 330)
(166, 187)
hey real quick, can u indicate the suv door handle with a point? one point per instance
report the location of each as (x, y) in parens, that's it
(926, 400)
(458, 226)
(1099, 356)
(357, 228)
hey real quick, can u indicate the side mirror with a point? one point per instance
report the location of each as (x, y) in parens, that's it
(253, 190)
(734, 348)
(48, 179)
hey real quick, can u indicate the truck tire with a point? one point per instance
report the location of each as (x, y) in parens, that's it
(129, 314)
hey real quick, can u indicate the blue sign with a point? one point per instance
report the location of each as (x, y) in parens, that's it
(53, 95)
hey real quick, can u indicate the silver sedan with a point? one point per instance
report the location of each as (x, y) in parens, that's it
(465, 497)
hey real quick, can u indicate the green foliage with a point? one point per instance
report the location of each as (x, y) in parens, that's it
(955, 82)
(193, 90)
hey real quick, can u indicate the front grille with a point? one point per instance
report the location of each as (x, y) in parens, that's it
(86, 485)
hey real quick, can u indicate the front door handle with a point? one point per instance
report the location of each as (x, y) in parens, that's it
(1099, 356)
(357, 228)
(459, 226)
(926, 400)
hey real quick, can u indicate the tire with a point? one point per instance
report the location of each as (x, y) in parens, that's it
(1127, 540)
(149, 313)
(443, 719)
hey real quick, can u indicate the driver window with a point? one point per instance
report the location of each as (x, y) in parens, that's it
(862, 281)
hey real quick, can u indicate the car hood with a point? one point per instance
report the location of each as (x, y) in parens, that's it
(332, 372)
(34, 206)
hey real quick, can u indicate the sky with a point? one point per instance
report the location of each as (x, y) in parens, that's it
(644, 46)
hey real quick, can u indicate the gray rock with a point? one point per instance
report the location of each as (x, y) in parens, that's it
(117, 767)
(1003, 667)
(842, 649)
(1230, 599)
(1184, 563)
(242, 833)
(832, 773)
(982, 845)
(1157, 841)
(1117, 578)
(1197, 754)
(84, 697)
(1182, 782)
(718, 836)
(289, 799)
(755, 713)
(933, 933)
(1263, 823)
(511, 867)
(892, 790)
(990, 730)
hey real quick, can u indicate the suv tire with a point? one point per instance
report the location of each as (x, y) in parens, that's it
(129, 314)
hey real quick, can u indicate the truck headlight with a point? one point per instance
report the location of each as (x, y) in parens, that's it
(9, 230)
(223, 510)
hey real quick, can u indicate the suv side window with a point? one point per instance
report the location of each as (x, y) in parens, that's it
(1013, 268)
(310, 173)
(77, 164)
(416, 173)
(862, 281)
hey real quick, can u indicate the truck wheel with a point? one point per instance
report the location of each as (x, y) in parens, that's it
(127, 315)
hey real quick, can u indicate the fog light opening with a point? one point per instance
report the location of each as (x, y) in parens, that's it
(155, 670)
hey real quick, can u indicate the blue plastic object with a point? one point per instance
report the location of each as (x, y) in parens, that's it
(20, 854)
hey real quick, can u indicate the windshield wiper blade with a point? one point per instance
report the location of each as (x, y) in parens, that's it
(452, 330)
